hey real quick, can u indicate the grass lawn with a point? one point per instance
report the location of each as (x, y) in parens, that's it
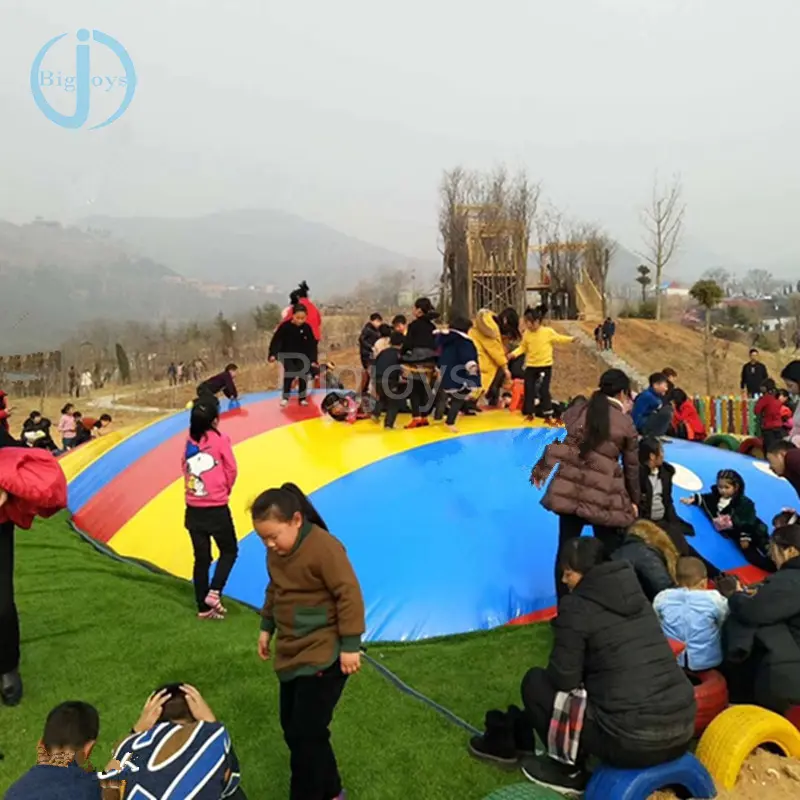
(109, 633)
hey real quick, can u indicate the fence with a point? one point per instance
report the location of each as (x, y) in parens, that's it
(730, 414)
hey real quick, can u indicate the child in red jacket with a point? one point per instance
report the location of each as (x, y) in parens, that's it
(686, 421)
(769, 410)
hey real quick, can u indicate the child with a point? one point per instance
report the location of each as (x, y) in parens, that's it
(693, 614)
(63, 769)
(314, 604)
(400, 324)
(367, 339)
(294, 345)
(769, 411)
(66, 426)
(652, 414)
(787, 411)
(656, 504)
(389, 383)
(384, 332)
(686, 422)
(537, 346)
(36, 432)
(419, 361)
(224, 382)
(343, 405)
(209, 468)
(458, 368)
(734, 516)
(784, 460)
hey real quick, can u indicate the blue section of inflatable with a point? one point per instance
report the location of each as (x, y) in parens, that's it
(451, 537)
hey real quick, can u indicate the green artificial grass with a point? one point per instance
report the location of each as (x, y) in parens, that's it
(109, 633)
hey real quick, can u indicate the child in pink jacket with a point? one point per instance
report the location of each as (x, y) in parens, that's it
(209, 468)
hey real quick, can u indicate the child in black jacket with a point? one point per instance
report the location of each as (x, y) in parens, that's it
(294, 345)
(390, 384)
(734, 516)
(419, 361)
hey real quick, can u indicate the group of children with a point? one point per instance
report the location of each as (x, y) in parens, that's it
(73, 428)
(425, 369)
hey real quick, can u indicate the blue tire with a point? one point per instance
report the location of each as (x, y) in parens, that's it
(638, 784)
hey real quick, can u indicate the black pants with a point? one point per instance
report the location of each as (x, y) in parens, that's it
(537, 387)
(307, 705)
(366, 374)
(389, 403)
(748, 685)
(420, 396)
(772, 437)
(658, 423)
(205, 524)
(449, 405)
(9, 619)
(570, 526)
(294, 368)
(538, 697)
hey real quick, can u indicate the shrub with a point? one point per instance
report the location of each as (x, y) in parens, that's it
(646, 310)
(729, 334)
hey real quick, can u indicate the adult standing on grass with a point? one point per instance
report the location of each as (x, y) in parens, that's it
(754, 373)
(590, 487)
(31, 483)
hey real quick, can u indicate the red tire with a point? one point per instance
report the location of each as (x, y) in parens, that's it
(752, 446)
(711, 696)
(793, 715)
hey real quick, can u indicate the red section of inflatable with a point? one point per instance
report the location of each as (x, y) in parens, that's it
(108, 510)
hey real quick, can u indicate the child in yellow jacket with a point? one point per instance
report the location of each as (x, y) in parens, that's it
(537, 347)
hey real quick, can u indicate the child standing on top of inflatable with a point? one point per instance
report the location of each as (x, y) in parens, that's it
(294, 345)
(733, 514)
(537, 347)
(458, 368)
(419, 360)
(209, 469)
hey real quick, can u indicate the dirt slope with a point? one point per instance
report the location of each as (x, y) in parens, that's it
(649, 346)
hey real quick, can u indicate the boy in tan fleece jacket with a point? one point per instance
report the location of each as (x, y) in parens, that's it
(314, 602)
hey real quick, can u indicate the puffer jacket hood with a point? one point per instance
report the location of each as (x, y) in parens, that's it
(613, 586)
(487, 324)
(791, 372)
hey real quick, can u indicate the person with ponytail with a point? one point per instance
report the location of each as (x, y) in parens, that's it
(314, 604)
(419, 361)
(209, 469)
(590, 487)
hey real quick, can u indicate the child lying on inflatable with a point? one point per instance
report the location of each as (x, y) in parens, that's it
(32, 484)
(345, 405)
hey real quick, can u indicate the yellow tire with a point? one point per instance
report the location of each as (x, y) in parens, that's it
(735, 733)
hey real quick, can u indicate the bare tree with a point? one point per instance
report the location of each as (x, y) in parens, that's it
(759, 282)
(663, 222)
(597, 257)
(721, 276)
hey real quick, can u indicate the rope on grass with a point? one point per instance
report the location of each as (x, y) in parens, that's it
(406, 689)
(397, 682)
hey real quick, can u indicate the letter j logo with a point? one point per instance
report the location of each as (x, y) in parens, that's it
(82, 81)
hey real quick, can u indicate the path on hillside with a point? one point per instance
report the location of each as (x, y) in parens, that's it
(109, 401)
(608, 356)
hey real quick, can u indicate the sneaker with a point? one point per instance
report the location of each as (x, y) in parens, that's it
(284, 402)
(524, 739)
(213, 600)
(415, 423)
(303, 403)
(210, 614)
(567, 779)
(11, 688)
(496, 745)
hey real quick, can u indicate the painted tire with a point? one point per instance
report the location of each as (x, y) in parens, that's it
(711, 696)
(724, 441)
(735, 733)
(524, 791)
(752, 446)
(638, 784)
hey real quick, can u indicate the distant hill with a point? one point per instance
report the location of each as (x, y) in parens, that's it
(53, 278)
(256, 247)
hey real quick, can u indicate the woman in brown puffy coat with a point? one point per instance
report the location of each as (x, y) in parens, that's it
(591, 486)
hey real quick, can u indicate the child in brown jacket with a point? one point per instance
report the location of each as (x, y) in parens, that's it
(314, 603)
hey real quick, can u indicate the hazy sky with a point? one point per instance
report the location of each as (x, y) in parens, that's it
(347, 112)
